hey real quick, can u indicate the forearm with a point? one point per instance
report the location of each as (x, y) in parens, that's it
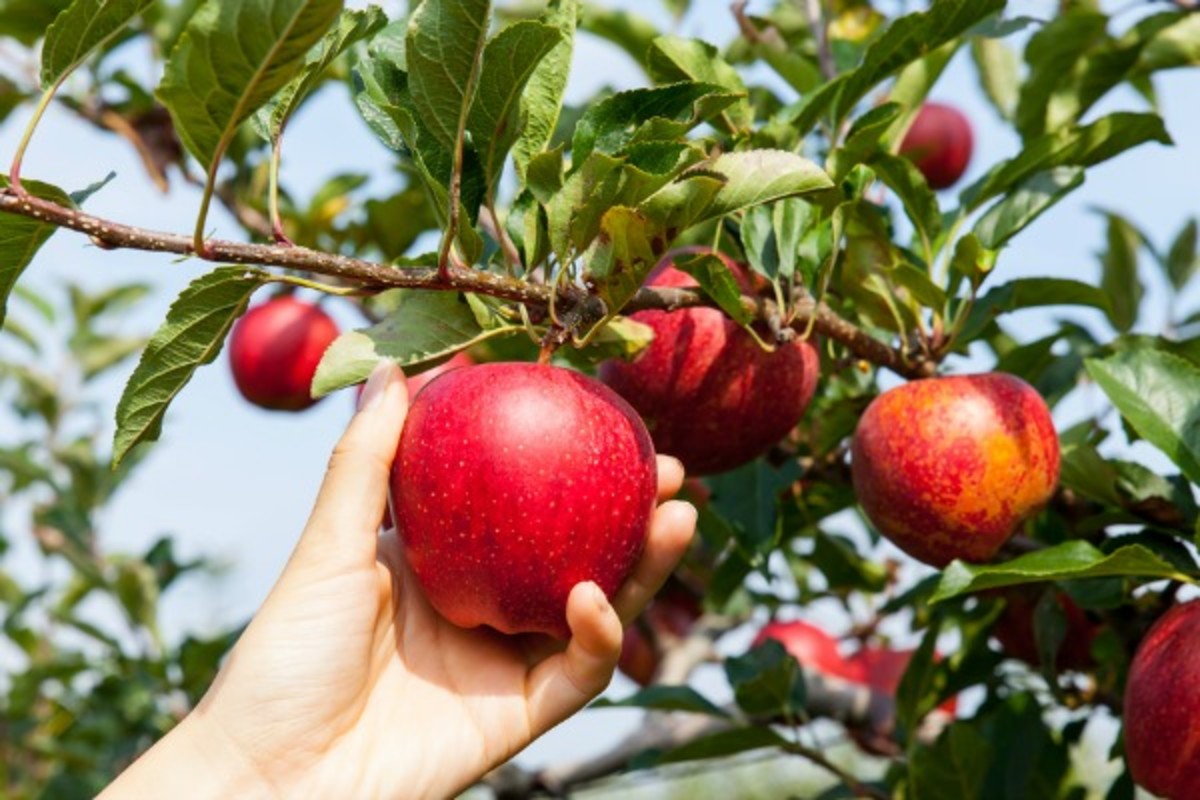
(191, 761)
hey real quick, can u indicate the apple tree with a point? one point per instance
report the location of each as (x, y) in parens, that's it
(768, 250)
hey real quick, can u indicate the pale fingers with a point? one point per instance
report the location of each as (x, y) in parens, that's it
(671, 530)
(565, 682)
(670, 477)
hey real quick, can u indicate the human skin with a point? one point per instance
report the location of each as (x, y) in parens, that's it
(274, 350)
(939, 142)
(950, 467)
(348, 684)
(710, 395)
(1162, 704)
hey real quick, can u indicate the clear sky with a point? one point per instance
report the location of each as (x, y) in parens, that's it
(236, 483)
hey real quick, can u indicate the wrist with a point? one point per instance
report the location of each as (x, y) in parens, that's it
(195, 760)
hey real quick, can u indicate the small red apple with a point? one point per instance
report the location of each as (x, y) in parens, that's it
(670, 616)
(514, 482)
(949, 468)
(882, 669)
(1014, 631)
(274, 350)
(939, 142)
(1162, 705)
(815, 649)
(709, 394)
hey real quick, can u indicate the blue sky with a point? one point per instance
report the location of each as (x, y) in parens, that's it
(236, 483)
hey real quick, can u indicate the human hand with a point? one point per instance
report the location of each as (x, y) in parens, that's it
(348, 684)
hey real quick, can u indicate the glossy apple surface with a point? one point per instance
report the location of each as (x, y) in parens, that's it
(669, 617)
(950, 467)
(710, 395)
(274, 350)
(514, 482)
(1162, 706)
(1015, 632)
(814, 648)
(939, 142)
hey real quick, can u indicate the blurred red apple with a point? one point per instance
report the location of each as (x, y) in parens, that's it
(709, 394)
(514, 482)
(274, 350)
(1014, 631)
(669, 616)
(1162, 706)
(882, 669)
(949, 468)
(815, 649)
(939, 143)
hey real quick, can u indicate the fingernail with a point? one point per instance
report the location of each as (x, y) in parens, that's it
(598, 597)
(372, 394)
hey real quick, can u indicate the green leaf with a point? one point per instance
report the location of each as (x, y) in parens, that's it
(902, 176)
(85, 26)
(1032, 293)
(723, 743)
(445, 46)
(1073, 560)
(28, 20)
(1159, 395)
(1021, 206)
(541, 103)
(1119, 278)
(351, 27)
(21, 237)
(1070, 146)
(425, 326)
(997, 66)
(509, 61)
(668, 112)
(231, 59)
(674, 58)
(906, 39)
(665, 698)
(627, 30)
(843, 567)
(191, 336)
(1182, 262)
(1051, 54)
(748, 497)
(718, 283)
(754, 177)
(767, 681)
(1173, 47)
(622, 256)
(955, 766)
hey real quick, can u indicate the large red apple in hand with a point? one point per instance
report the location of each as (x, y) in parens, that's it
(1162, 706)
(815, 649)
(710, 395)
(514, 482)
(949, 468)
(670, 615)
(274, 350)
(939, 142)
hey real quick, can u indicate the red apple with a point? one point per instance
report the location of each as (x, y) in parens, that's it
(1014, 631)
(670, 616)
(882, 669)
(709, 394)
(949, 468)
(514, 482)
(1162, 704)
(939, 143)
(274, 350)
(815, 649)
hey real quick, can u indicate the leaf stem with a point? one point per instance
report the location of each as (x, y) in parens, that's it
(14, 172)
(277, 230)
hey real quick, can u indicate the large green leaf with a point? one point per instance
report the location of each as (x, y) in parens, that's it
(425, 326)
(352, 26)
(83, 28)
(754, 177)
(1119, 278)
(998, 71)
(906, 39)
(445, 46)
(28, 20)
(231, 59)
(1073, 560)
(1021, 206)
(191, 336)
(1158, 393)
(1051, 54)
(902, 176)
(627, 30)
(509, 62)
(718, 282)
(541, 103)
(666, 698)
(767, 681)
(1033, 293)
(1173, 47)
(622, 257)
(673, 58)
(1072, 146)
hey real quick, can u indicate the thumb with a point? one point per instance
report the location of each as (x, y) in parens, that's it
(353, 495)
